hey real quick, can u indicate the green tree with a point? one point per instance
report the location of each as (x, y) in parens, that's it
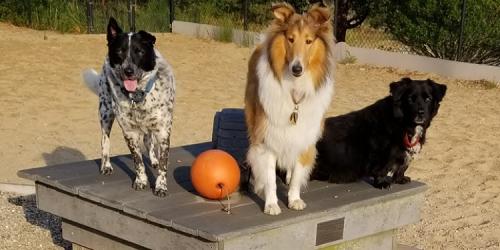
(432, 28)
(350, 14)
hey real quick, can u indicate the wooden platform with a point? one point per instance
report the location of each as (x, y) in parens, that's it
(104, 212)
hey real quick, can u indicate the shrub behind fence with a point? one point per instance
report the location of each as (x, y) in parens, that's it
(460, 30)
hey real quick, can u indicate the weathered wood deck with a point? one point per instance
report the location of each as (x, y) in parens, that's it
(104, 212)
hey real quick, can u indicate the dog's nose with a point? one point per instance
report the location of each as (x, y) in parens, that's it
(297, 69)
(421, 112)
(128, 72)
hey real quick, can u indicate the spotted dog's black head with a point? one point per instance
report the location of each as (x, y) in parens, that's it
(416, 102)
(130, 54)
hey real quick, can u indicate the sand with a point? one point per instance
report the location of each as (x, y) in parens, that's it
(47, 116)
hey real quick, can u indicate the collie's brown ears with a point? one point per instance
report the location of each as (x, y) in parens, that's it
(438, 90)
(320, 15)
(282, 11)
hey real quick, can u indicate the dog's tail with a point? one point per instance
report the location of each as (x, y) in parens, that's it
(91, 79)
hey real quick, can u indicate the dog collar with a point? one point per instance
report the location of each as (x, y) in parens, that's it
(139, 95)
(411, 141)
(408, 142)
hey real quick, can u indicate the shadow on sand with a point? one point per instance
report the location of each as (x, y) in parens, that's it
(28, 202)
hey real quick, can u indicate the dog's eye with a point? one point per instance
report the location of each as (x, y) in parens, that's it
(139, 51)
(428, 99)
(309, 41)
(290, 39)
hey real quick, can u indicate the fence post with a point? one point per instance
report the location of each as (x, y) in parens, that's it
(131, 15)
(171, 13)
(461, 38)
(245, 14)
(30, 15)
(90, 16)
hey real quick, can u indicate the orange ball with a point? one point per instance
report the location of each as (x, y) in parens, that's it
(215, 174)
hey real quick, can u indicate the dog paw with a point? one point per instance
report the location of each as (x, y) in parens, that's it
(160, 192)
(139, 185)
(298, 204)
(106, 170)
(272, 209)
(403, 180)
(383, 185)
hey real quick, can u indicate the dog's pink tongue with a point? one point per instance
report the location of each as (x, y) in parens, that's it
(130, 85)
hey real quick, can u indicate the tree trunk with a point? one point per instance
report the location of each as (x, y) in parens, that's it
(341, 16)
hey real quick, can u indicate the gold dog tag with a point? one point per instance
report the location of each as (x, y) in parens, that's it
(293, 118)
(295, 115)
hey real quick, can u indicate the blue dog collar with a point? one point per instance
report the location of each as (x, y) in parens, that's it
(139, 95)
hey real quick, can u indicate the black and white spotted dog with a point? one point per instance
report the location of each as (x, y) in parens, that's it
(136, 87)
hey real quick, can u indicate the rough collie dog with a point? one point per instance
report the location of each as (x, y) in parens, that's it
(289, 88)
(379, 142)
(137, 88)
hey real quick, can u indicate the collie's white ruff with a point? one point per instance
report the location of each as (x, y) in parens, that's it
(283, 142)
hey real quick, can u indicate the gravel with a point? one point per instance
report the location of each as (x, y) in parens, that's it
(24, 226)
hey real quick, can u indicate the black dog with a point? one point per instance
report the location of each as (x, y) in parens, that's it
(380, 139)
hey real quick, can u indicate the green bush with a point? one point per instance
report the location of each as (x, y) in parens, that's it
(70, 15)
(432, 28)
(62, 15)
(217, 11)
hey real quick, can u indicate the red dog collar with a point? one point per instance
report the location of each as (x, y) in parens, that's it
(407, 142)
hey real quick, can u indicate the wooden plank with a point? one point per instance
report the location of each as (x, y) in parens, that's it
(89, 238)
(186, 213)
(56, 171)
(293, 236)
(115, 223)
(379, 241)
(90, 176)
(250, 218)
(52, 174)
(149, 204)
(116, 194)
(171, 214)
(72, 176)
